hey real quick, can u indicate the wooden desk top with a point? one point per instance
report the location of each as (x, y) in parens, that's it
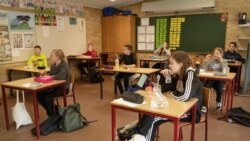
(236, 64)
(154, 59)
(175, 108)
(229, 76)
(26, 69)
(20, 84)
(80, 57)
(133, 70)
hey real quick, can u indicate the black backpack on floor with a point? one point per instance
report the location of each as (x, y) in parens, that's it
(240, 115)
(94, 75)
(51, 124)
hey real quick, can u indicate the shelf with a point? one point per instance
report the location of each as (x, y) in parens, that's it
(242, 49)
(244, 25)
(244, 38)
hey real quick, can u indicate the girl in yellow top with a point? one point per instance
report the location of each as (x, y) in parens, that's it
(38, 59)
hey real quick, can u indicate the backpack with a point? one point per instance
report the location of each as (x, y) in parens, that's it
(51, 124)
(145, 65)
(94, 75)
(239, 115)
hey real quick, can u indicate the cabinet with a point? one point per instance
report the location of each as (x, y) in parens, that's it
(116, 32)
(243, 36)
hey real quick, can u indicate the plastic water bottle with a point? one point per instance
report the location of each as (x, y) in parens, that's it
(225, 68)
(117, 62)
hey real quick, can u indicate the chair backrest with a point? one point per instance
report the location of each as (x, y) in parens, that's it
(72, 81)
(206, 96)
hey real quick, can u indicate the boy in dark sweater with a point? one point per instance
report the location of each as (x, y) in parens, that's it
(128, 60)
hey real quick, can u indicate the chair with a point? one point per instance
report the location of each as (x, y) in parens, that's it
(71, 92)
(204, 119)
(131, 79)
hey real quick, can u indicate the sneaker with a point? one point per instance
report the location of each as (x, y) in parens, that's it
(218, 105)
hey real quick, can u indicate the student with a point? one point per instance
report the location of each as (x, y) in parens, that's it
(232, 53)
(207, 58)
(59, 70)
(217, 63)
(162, 52)
(38, 59)
(128, 60)
(83, 66)
(185, 85)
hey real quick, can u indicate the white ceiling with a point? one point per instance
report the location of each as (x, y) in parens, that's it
(103, 3)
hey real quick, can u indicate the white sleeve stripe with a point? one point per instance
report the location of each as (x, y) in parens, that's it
(187, 87)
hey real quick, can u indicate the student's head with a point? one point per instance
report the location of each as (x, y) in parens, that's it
(165, 45)
(90, 46)
(127, 49)
(56, 55)
(208, 56)
(232, 46)
(218, 53)
(179, 62)
(37, 50)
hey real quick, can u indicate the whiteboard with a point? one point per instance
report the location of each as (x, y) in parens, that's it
(72, 40)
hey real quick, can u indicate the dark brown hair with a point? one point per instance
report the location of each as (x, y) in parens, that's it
(234, 43)
(182, 57)
(129, 47)
(37, 46)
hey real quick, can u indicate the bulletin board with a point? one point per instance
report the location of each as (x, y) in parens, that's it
(71, 38)
(190, 33)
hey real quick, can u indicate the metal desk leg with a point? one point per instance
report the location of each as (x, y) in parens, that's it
(9, 77)
(5, 109)
(113, 122)
(101, 89)
(193, 121)
(36, 114)
(176, 129)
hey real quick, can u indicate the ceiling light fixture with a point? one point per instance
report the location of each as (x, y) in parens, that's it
(111, 0)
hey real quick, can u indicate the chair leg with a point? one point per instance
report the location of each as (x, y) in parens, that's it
(181, 134)
(157, 134)
(73, 94)
(206, 127)
(115, 89)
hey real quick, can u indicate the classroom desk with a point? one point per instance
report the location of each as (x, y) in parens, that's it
(147, 71)
(153, 60)
(238, 66)
(24, 69)
(230, 82)
(82, 58)
(18, 84)
(174, 112)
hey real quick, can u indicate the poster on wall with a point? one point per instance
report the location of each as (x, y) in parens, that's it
(21, 21)
(29, 40)
(3, 18)
(17, 40)
(5, 49)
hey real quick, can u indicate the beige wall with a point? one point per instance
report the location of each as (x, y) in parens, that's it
(93, 33)
(231, 7)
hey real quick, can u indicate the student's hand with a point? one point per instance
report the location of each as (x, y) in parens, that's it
(166, 72)
(43, 73)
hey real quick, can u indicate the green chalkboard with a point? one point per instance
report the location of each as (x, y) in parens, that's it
(190, 33)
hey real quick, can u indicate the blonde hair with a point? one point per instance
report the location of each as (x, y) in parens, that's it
(59, 53)
(219, 49)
